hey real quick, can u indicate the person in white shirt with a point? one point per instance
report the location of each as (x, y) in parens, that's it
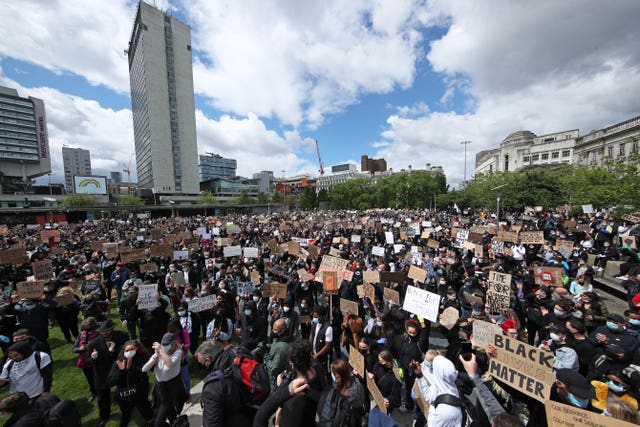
(166, 362)
(27, 372)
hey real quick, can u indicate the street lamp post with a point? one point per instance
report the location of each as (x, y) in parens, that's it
(497, 190)
(465, 143)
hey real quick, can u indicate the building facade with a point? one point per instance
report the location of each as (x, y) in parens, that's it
(76, 161)
(24, 141)
(372, 165)
(265, 181)
(524, 148)
(162, 100)
(618, 142)
(215, 166)
(116, 177)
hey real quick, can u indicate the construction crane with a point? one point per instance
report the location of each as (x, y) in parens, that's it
(320, 159)
(126, 167)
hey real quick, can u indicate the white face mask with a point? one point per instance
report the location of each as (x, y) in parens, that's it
(129, 354)
(286, 309)
(555, 337)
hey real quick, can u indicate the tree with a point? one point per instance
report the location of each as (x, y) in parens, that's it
(78, 200)
(262, 198)
(130, 200)
(206, 198)
(277, 197)
(308, 198)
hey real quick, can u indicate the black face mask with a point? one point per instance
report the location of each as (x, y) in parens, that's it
(414, 338)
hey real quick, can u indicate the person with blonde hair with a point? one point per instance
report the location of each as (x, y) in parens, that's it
(620, 410)
(67, 310)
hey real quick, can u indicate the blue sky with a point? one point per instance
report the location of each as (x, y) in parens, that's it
(405, 80)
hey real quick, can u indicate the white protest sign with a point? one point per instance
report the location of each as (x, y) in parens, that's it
(231, 251)
(147, 296)
(483, 332)
(250, 252)
(180, 255)
(389, 237)
(377, 251)
(422, 303)
(587, 209)
(203, 303)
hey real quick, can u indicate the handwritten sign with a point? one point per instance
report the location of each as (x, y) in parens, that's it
(375, 393)
(30, 290)
(180, 255)
(417, 274)
(161, 250)
(334, 263)
(250, 252)
(177, 278)
(561, 415)
(522, 366)
(391, 295)
(150, 267)
(377, 251)
(330, 282)
(369, 291)
(348, 306)
(507, 236)
(46, 235)
(279, 290)
(422, 303)
(293, 248)
(255, 277)
(147, 296)
(550, 276)
(231, 251)
(371, 277)
(483, 332)
(43, 270)
(14, 256)
(449, 317)
(498, 291)
(531, 237)
(356, 360)
(203, 303)
(134, 255)
(65, 299)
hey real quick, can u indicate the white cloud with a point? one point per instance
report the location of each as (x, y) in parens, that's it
(299, 61)
(84, 37)
(254, 146)
(545, 66)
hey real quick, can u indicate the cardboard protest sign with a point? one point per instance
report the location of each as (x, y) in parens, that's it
(46, 235)
(417, 274)
(330, 282)
(478, 251)
(371, 277)
(422, 303)
(161, 250)
(334, 252)
(345, 275)
(304, 275)
(420, 400)
(348, 306)
(498, 291)
(507, 236)
(150, 267)
(177, 278)
(231, 251)
(432, 243)
(360, 291)
(449, 317)
(532, 237)
(314, 251)
(293, 248)
(43, 270)
(522, 366)
(483, 332)
(147, 296)
(550, 276)
(375, 393)
(63, 300)
(395, 277)
(369, 291)
(475, 237)
(629, 241)
(391, 295)
(133, 256)
(356, 360)
(233, 229)
(279, 290)
(14, 256)
(334, 263)
(563, 244)
(255, 277)
(30, 290)
(223, 241)
(561, 415)
(250, 252)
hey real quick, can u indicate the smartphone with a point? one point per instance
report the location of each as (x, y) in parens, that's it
(465, 349)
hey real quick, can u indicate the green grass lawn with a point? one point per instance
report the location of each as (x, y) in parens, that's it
(69, 381)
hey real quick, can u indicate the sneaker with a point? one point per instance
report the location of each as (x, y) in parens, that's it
(622, 277)
(599, 269)
(91, 398)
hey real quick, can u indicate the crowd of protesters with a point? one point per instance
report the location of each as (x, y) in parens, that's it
(301, 338)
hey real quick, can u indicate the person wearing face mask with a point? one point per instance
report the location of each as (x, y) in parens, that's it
(129, 313)
(411, 348)
(190, 323)
(103, 351)
(166, 361)
(132, 385)
(579, 341)
(573, 389)
(614, 333)
(118, 277)
(451, 299)
(594, 310)
(261, 303)
(250, 327)
(536, 303)
(632, 318)
(616, 385)
(385, 375)
(321, 336)
(306, 305)
(290, 316)
(424, 378)
(349, 387)
(566, 357)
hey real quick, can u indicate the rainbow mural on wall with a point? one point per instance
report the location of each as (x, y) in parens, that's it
(90, 184)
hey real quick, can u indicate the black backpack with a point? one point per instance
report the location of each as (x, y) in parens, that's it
(335, 410)
(470, 416)
(253, 376)
(63, 414)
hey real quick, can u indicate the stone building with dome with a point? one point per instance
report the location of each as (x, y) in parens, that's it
(524, 148)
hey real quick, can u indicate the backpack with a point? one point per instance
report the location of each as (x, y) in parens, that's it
(63, 414)
(470, 417)
(253, 375)
(334, 410)
(36, 357)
